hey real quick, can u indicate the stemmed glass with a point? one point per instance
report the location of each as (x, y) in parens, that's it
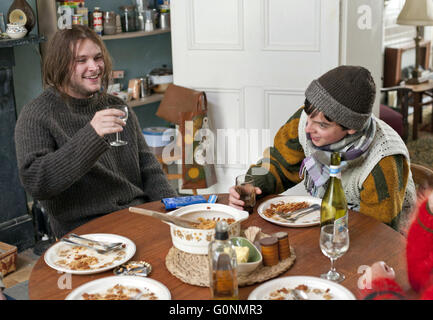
(124, 108)
(334, 242)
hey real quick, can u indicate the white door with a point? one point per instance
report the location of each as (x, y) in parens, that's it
(254, 59)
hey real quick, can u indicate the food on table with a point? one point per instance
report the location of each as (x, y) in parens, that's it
(282, 207)
(120, 292)
(313, 293)
(242, 254)
(82, 258)
(211, 223)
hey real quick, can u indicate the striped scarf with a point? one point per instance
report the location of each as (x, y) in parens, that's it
(350, 147)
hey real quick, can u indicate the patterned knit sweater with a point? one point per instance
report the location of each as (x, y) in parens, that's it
(76, 174)
(381, 195)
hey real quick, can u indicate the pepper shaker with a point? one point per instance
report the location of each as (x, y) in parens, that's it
(269, 248)
(283, 245)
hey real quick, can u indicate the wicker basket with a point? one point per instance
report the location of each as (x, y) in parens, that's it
(8, 258)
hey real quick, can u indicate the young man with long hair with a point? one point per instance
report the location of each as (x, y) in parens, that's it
(62, 139)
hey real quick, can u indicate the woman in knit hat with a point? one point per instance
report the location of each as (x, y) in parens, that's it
(337, 116)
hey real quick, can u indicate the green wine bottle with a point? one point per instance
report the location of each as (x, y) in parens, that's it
(334, 205)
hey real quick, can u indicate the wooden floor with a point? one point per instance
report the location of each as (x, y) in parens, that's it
(25, 262)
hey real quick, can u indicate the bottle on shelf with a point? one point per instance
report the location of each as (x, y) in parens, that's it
(98, 21)
(333, 209)
(223, 265)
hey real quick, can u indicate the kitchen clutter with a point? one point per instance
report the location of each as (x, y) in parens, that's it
(130, 16)
(139, 88)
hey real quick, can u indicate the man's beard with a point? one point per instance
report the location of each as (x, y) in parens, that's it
(82, 90)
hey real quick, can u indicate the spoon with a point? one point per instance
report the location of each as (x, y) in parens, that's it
(181, 222)
(299, 295)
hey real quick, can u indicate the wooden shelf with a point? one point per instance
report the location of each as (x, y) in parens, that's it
(150, 99)
(28, 39)
(135, 34)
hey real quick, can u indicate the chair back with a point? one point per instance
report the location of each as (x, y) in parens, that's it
(422, 176)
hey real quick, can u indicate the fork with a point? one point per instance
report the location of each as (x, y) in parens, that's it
(102, 251)
(290, 214)
(106, 246)
(303, 214)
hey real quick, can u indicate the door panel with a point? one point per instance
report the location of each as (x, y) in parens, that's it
(254, 59)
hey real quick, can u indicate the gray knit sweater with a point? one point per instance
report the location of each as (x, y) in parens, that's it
(76, 174)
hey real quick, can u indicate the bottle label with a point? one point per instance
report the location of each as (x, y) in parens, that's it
(334, 171)
(339, 225)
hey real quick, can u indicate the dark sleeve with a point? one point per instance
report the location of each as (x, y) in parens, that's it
(278, 170)
(46, 171)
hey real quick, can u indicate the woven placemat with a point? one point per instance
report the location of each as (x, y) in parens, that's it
(194, 268)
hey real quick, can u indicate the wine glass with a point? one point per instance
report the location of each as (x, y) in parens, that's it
(124, 108)
(334, 242)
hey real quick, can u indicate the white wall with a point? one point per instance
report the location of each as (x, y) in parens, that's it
(361, 38)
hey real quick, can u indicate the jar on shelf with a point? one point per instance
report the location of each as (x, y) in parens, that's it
(97, 21)
(128, 18)
(109, 22)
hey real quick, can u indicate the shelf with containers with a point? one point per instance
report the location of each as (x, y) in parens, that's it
(136, 52)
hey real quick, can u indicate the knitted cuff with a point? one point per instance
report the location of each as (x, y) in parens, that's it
(383, 289)
(337, 112)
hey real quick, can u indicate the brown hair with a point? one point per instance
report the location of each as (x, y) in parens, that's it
(310, 110)
(60, 56)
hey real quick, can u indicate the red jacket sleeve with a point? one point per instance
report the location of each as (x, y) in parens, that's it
(419, 250)
(382, 289)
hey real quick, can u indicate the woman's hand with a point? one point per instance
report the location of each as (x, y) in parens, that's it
(377, 270)
(234, 198)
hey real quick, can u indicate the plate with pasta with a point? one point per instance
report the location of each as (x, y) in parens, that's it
(269, 210)
(77, 259)
(121, 288)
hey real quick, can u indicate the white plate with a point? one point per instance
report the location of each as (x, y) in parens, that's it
(101, 286)
(309, 220)
(53, 254)
(335, 290)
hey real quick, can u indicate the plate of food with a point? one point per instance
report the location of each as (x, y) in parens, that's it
(314, 288)
(273, 209)
(83, 259)
(121, 288)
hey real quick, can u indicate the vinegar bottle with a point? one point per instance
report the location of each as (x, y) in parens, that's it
(333, 209)
(223, 265)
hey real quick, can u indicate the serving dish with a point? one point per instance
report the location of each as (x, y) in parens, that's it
(197, 240)
(254, 256)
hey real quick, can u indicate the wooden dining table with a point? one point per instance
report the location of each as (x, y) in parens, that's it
(370, 241)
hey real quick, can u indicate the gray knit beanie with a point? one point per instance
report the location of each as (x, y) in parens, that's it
(345, 95)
